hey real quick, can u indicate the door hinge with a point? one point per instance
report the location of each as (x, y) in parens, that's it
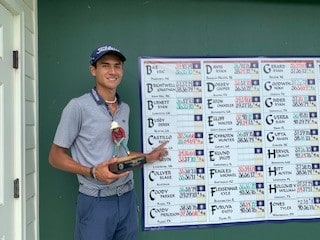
(16, 186)
(15, 58)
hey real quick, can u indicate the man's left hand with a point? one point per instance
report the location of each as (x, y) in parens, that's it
(158, 153)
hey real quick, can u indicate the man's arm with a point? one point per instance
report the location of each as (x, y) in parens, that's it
(156, 154)
(59, 158)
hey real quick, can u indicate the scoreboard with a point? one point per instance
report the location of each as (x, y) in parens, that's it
(243, 140)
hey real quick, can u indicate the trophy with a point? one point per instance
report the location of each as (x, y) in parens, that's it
(128, 163)
(124, 163)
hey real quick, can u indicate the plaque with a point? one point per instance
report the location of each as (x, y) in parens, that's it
(128, 163)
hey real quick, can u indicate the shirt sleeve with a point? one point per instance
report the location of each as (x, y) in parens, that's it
(69, 125)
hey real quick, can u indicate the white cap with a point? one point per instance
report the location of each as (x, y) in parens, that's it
(114, 125)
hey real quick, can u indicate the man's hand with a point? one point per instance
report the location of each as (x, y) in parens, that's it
(103, 174)
(158, 153)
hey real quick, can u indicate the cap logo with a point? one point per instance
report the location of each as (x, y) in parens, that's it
(106, 48)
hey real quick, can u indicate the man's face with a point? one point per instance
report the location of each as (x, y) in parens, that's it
(108, 72)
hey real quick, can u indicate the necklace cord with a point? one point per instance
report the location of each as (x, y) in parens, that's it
(113, 101)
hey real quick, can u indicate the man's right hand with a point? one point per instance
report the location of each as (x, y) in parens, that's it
(103, 174)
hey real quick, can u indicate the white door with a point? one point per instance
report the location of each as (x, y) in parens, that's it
(6, 126)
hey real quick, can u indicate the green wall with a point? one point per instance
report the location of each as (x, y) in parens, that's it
(68, 32)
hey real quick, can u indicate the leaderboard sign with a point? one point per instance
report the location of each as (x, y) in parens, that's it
(243, 140)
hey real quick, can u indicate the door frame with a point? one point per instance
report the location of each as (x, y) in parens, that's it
(18, 134)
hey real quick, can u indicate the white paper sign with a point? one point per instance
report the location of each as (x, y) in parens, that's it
(243, 140)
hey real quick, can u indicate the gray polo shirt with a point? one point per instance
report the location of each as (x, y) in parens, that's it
(84, 128)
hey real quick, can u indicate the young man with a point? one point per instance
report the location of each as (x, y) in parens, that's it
(106, 207)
